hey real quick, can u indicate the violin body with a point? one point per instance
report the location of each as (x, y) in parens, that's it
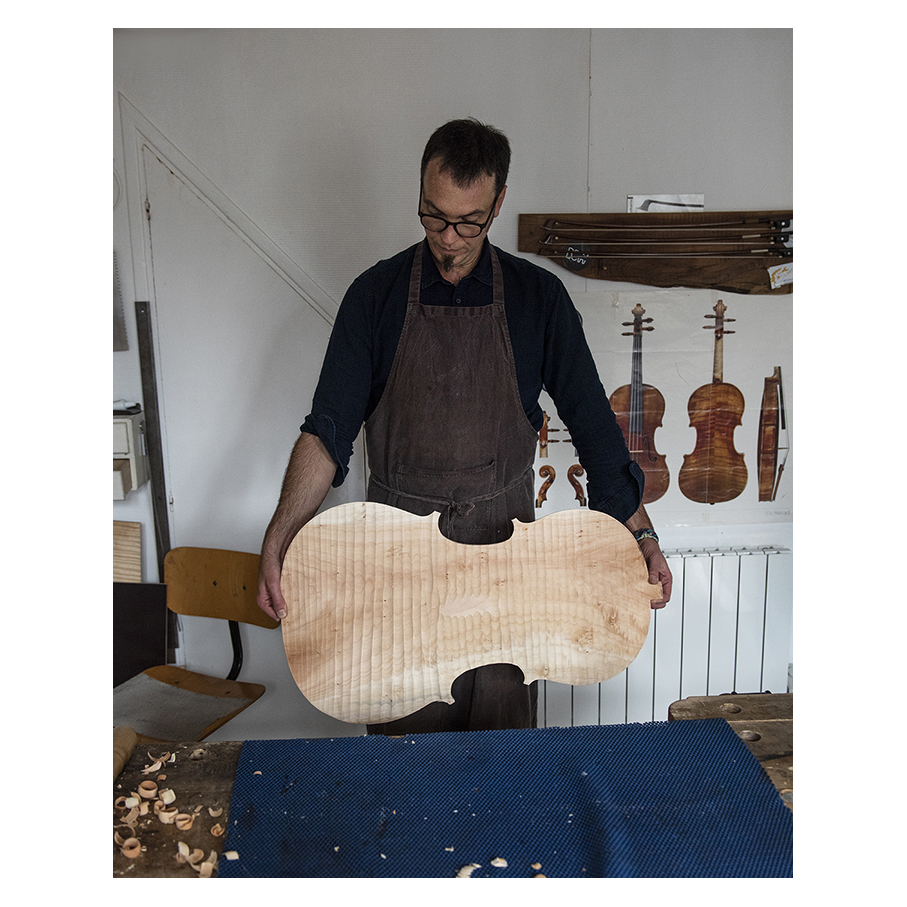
(384, 612)
(642, 446)
(715, 471)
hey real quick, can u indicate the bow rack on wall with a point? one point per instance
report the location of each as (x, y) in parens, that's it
(732, 251)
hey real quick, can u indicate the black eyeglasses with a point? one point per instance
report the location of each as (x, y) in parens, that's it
(464, 228)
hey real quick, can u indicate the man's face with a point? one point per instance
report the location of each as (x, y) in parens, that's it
(457, 255)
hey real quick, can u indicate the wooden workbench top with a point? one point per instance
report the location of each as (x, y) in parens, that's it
(201, 776)
(764, 721)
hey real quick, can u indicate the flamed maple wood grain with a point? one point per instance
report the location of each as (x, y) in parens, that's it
(384, 612)
(715, 471)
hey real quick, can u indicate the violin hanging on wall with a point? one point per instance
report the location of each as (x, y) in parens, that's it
(639, 409)
(715, 471)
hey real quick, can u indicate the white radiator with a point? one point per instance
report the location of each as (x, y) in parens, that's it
(727, 628)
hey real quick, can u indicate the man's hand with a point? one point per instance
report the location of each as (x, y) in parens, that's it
(659, 571)
(270, 598)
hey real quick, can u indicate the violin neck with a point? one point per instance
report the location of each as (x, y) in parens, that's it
(718, 359)
(636, 387)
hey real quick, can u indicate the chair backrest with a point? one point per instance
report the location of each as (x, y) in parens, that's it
(210, 582)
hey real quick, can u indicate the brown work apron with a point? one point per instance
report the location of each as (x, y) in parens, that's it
(450, 435)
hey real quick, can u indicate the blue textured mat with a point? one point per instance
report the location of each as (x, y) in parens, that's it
(666, 800)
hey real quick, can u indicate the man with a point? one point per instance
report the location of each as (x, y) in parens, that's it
(442, 352)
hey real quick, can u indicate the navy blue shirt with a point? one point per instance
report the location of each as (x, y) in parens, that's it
(549, 350)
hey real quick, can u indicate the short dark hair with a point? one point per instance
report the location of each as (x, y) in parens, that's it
(468, 151)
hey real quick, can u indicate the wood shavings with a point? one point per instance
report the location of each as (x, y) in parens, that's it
(499, 863)
(465, 872)
(131, 848)
(536, 865)
(148, 790)
(152, 800)
(540, 875)
(231, 855)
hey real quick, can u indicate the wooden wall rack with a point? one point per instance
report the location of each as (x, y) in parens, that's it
(730, 251)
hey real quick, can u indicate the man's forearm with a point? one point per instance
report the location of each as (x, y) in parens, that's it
(639, 520)
(306, 483)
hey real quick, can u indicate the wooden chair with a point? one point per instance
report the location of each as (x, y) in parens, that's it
(167, 703)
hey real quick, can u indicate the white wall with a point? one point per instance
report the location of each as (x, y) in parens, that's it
(315, 137)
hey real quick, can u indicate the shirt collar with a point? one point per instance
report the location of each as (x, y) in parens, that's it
(482, 271)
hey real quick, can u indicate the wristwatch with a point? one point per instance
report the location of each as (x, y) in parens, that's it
(641, 534)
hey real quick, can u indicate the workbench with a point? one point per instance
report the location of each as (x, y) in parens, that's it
(202, 777)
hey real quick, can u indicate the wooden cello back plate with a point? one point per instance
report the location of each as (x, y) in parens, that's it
(384, 612)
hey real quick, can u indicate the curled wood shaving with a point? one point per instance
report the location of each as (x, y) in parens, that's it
(499, 862)
(151, 769)
(131, 848)
(214, 813)
(540, 875)
(120, 803)
(217, 830)
(131, 802)
(196, 856)
(536, 865)
(465, 872)
(184, 821)
(206, 869)
(168, 816)
(167, 795)
(231, 855)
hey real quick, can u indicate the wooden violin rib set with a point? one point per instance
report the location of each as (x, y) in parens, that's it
(384, 612)
(731, 251)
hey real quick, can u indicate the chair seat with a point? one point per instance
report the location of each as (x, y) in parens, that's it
(170, 704)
